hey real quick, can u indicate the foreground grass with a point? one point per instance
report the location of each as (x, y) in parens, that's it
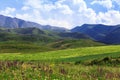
(90, 63)
(17, 70)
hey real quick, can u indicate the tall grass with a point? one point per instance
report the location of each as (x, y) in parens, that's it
(32, 70)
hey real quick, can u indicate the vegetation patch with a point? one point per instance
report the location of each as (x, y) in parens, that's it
(26, 70)
(106, 61)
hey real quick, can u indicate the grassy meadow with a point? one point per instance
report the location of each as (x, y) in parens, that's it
(88, 63)
(63, 55)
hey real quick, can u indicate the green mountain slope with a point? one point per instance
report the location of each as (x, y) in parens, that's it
(73, 43)
(36, 40)
(22, 47)
(25, 34)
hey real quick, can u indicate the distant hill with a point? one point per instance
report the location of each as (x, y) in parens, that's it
(24, 31)
(113, 37)
(37, 40)
(103, 33)
(8, 22)
(25, 34)
(35, 34)
(76, 35)
(71, 43)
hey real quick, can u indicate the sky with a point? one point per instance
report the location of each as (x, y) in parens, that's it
(63, 13)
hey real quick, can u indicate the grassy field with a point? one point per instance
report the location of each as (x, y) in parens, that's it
(61, 54)
(90, 63)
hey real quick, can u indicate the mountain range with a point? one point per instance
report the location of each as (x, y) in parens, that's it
(99, 32)
(108, 34)
(8, 22)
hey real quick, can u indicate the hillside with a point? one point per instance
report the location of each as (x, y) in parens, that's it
(113, 37)
(36, 34)
(33, 46)
(73, 43)
(99, 32)
(32, 40)
(75, 35)
(22, 47)
(25, 34)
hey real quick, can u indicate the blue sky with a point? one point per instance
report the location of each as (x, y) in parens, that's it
(63, 13)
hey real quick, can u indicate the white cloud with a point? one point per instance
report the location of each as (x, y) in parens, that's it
(84, 14)
(48, 7)
(117, 1)
(65, 9)
(78, 1)
(24, 8)
(64, 13)
(111, 17)
(24, 16)
(105, 3)
(47, 13)
(62, 23)
(33, 4)
(8, 11)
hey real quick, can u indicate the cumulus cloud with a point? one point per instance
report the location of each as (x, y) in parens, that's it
(24, 16)
(78, 2)
(68, 13)
(64, 13)
(24, 8)
(34, 4)
(65, 9)
(117, 2)
(84, 14)
(111, 17)
(8, 11)
(105, 3)
(57, 14)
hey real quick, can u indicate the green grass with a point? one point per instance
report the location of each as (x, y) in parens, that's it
(16, 70)
(72, 43)
(62, 54)
(22, 47)
(61, 64)
(39, 46)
